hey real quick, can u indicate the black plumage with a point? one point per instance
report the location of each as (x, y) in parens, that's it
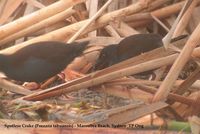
(40, 61)
(127, 48)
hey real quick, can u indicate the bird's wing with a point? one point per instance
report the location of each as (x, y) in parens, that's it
(35, 65)
(34, 69)
(48, 54)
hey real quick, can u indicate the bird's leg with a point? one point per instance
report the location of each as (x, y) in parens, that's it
(35, 86)
(49, 81)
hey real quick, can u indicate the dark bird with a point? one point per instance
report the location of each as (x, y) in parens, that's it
(39, 61)
(129, 47)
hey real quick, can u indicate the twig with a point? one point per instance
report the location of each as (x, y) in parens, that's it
(33, 18)
(182, 59)
(123, 29)
(143, 19)
(188, 82)
(9, 9)
(130, 81)
(171, 96)
(129, 115)
(185, 19)
(166, 40)
(93, 6)
(160, 23)
(112, 31)
(127, 93)
(40, 25)
(89, 21)
(9, 86)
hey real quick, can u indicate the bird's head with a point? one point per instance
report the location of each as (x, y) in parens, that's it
(79, 47)
(106, 56)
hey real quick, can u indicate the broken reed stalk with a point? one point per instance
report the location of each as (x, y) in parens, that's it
(123, 29)
(159, 13)
(12, 5)
(185, 19)
(178, 65)
(35, 17)
(38, 26)
(188, 82)
(119, 91)
(160, 23)
(36, 4)
(141, 19)
(156, 4)
(166, 40)
(111, 31)
(93, 6)
(129, 81)
(114, 89)
(174, 97)
(74, 37)
(9, 86)
(126, 114)
(66, 32)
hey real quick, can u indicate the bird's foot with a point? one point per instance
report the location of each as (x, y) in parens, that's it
(31, 85)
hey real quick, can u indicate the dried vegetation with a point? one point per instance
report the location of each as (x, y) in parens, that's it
(113, 95)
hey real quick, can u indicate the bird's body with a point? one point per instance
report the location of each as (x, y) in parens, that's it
(127, 48)
(40, 61)
(107, 57)
(137, 44)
